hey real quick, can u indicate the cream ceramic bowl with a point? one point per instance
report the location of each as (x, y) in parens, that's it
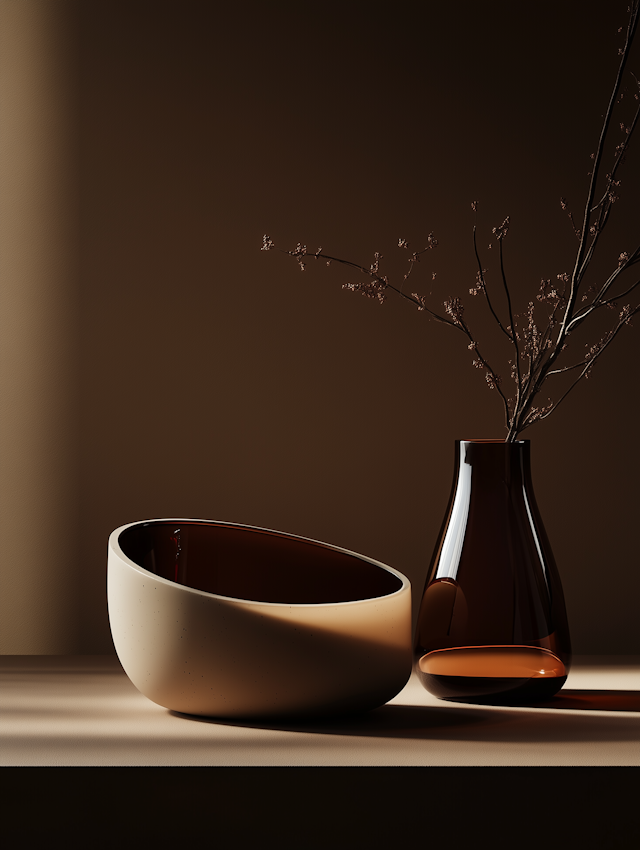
(229, 621)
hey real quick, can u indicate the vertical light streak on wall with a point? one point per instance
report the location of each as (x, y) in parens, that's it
(37, 329)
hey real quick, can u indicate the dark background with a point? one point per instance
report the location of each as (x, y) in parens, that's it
(217, 381)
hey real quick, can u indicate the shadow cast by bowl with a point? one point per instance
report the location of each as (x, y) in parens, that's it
(388, 721)
(520, 724)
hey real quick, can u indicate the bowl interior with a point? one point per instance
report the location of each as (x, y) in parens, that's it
(254, 564)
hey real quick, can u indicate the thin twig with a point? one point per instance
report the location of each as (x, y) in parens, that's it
(486, 291)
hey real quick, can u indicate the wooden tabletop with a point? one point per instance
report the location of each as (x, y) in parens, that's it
(83, 710)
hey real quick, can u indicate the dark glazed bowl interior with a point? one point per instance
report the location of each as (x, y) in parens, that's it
(253, 564)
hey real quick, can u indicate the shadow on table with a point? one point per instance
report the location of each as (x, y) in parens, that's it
(594, 701)
(456, 721)
(597, 700)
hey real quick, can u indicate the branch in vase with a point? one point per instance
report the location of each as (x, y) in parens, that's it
(540, 346)
(589, 362)
(579, 266)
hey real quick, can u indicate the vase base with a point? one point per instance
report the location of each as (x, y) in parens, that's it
(493, 690)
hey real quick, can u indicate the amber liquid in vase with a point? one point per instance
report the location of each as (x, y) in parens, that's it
(492, 673)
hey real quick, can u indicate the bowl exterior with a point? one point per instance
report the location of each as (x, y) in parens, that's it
(198, 653)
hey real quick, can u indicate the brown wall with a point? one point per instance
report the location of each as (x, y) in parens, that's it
(218, 381)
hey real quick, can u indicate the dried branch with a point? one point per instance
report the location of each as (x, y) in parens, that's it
(540, 345)
(579, 267)
(589, 362)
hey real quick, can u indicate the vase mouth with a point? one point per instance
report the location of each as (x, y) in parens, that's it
(498, 441)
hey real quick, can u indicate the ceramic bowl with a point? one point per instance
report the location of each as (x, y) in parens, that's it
(225, 620)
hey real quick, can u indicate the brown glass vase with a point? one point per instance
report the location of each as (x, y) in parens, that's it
(492, 625)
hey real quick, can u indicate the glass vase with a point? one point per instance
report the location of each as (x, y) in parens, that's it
(492, 625)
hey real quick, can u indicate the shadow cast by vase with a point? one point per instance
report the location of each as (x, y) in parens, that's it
(583, 700)
(594, 700)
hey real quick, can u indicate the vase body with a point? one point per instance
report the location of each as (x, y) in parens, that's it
(492, 625)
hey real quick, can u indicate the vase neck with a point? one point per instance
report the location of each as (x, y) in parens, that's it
(494, 459)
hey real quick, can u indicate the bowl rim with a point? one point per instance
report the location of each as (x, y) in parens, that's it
(114, 547)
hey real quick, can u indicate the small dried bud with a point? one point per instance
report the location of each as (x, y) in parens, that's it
(479, 287)
(474, 206)
(454, 308)
(369, 288)
(622, 259)
(421, 301)
(563, 203)
(267, 244)
(501, 231)
(299, 253)
(626, 314)
(375, 266)
(402, 243)
(539, 412)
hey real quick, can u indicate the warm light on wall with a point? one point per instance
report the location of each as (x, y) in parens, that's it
(37, 514)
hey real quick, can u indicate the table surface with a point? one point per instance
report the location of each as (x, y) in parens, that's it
(83, 710)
